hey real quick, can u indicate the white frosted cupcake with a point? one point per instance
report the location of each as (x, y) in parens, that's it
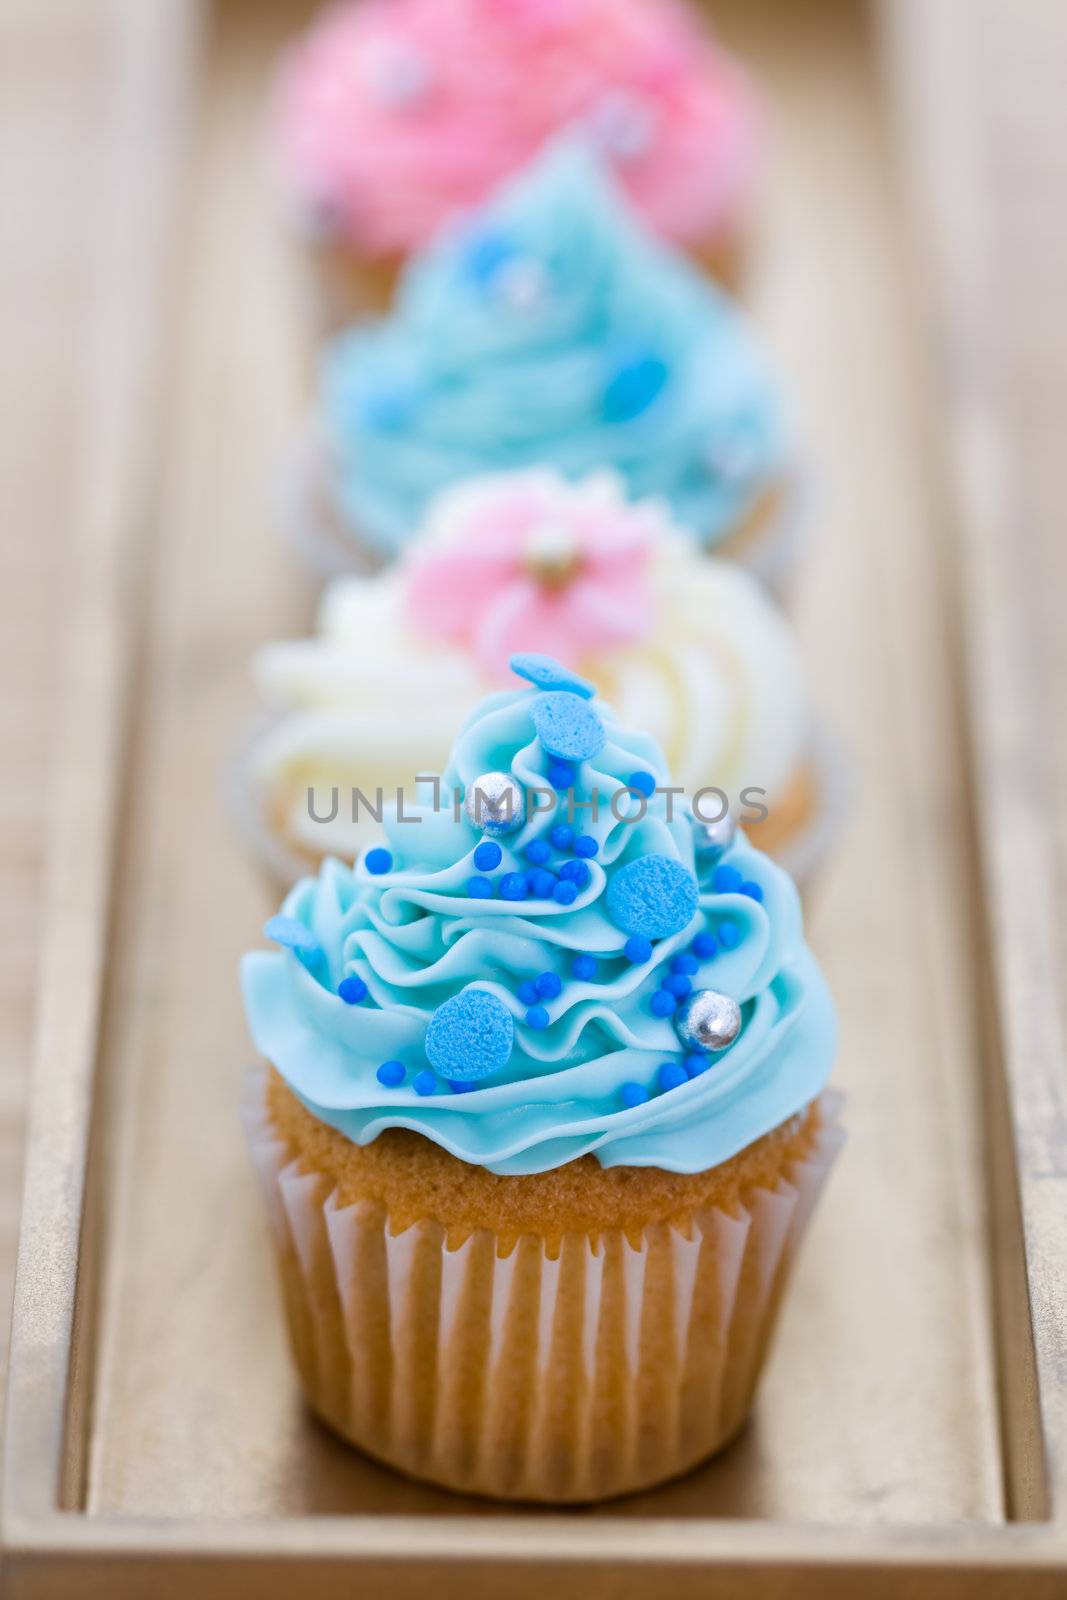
(688, 647)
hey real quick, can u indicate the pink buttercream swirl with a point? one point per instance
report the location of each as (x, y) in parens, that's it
(526, 562)
(394, 115)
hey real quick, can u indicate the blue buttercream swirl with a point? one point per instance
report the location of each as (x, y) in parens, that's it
(551, 328)
(416, 938)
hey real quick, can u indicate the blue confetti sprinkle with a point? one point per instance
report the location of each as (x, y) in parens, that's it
(292, 934)
(549, 985)
(654, 895)
(378, 861)
(638, 949)
(671, 1075)
(562, 836)
(684, 963)
(541, 883)
(391, 1073)
(479, 888)
(513, 886)
(461, 1088)
(586, 846)
(424, 1083)
(633, 1094)
(696, 1063)
(567, 726)
(678, 984)
(527, 992)
(537, 1017)
(662, 1003)
(752, 889)
(485, 254)
(704, 945)
(643, 782)
(546, 673)
(352, 990)
(638, 378)
(470, 1035)
(726, 880)
(487, 856)
(575, 872)
(729, 935)
(561, 775)
(564, 892)
(537, 852)
(584, 968)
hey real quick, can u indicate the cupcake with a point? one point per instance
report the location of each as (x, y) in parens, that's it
(542, 1118)
(690, 648)
(396, 117)
(549, 329)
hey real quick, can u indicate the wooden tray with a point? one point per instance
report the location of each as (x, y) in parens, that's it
(910, 1433)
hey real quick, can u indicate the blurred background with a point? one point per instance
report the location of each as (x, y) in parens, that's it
(909, 274)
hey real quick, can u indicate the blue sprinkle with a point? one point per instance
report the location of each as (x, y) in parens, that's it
(562, 836)
(378, 861)
(671, 1075)
(541, 883)
(546, 673)
(549, 985)
(487, 856)
(292, 934)
(704, 945)
(564, 892)
(527, 992)
(470, 1035)
(584, 968)
(513, 886)
(633, 1094)
(726, 880)
(684, 962)
(634, 384)
(696, 1063)
(561, 775)
(586, 846)
(537, 852)
(729, 935)
(638, 949)
(537, 1017)
(654, 895)
(391, 1073)
(567, 726)
(352, 990)
(643, 782)
(662, 1003)
(424, 1082)
(479, 888)
(387, 410)
(485, 254)
(752, 889)
(678, 984)
(575, 872)
(461, 1088)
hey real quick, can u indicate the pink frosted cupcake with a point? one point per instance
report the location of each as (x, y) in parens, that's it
(395, 115)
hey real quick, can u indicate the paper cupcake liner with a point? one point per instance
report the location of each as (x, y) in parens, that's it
(312, 528)
(604, 1366)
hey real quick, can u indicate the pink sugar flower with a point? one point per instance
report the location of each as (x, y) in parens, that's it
(527, 561)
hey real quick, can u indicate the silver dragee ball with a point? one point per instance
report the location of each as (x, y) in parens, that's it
(708, 1020)
(713, 839)
(496, 803)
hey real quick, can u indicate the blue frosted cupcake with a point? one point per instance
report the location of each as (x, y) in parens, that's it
(550, 328)
(544, 1117)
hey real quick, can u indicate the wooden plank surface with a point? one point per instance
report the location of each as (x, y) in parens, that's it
(834, 295)
(880, 1405)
